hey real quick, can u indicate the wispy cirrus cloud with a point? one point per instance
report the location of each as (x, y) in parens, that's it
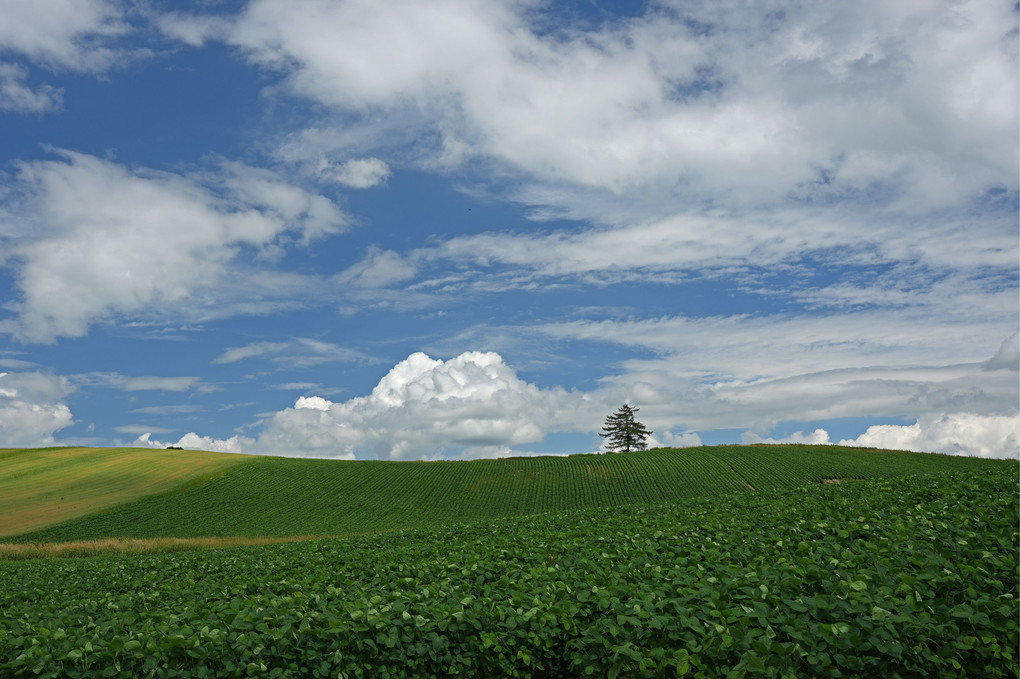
(115, 380)
(168, 410)
(300, 352)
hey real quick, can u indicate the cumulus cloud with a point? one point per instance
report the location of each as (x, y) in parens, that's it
(32, 409)
(94, 240)
(815, 438)
(708, 95)
(473, 405)
(686, 439)
(954, 433)
(192, 441)
(822, 130)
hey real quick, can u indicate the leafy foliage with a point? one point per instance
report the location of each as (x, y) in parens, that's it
(268, 496)
(910, 577)
(622, 432)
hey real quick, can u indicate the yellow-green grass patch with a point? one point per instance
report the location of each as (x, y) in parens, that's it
(42, 487)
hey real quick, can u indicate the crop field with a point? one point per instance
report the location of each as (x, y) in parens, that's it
(39, 487)
(914, 576)
(268, 496)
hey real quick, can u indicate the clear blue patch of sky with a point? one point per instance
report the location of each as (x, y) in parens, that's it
(181, 105)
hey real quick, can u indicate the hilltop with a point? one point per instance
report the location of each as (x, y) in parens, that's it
(142, 493)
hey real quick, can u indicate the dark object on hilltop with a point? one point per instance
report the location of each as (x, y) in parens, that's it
(622, 432)
(174, 448)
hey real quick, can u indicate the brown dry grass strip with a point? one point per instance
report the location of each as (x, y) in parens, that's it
(133, 546)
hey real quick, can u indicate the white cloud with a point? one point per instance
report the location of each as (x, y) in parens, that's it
(32, 409)
(301, 352)
(192, 441)
(473, 405)
(361, 173)
(95, 240)
(160, 383)
(748, 348)
(115, 380)
(313, 403)
(66, 33)
(920, 96)
(17, 96)
(818, 437)
(141, 429)
(378, 269)
(954, 433)
(253, 350)
(422, 407)
(1008, 356)
(70, 35)
(296, 386)
(753, 373)
(168, 410)
(191, 29)
(811, 130)
(686, 439)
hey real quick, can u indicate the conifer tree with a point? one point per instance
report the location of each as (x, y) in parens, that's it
(622, 432)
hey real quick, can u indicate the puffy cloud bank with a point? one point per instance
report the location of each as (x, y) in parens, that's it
(956, 433)
(969, 434)
(473, 405)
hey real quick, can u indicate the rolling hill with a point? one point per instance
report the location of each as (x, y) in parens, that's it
(40, 487)
(886, 577)
(55, 495)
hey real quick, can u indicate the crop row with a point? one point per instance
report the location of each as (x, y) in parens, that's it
(910, 577)
(278, 496)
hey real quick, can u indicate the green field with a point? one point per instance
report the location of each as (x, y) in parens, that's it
(726, 561)
(39, 487)
(270, 496)
(906, 577)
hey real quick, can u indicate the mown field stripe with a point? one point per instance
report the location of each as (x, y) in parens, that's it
(275, 497)
(46, 486)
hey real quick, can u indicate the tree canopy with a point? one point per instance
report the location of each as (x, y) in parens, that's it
(622, 432)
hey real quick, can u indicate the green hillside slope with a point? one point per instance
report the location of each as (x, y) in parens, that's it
(906, 577)
(43, 486)
(270, 496)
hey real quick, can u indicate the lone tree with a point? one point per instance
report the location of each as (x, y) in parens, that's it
(622, 432)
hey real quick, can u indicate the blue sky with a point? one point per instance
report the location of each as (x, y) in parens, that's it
(423, 229)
